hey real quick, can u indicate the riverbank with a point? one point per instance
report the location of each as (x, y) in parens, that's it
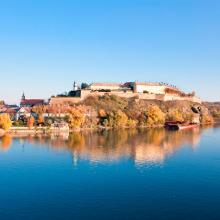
(36, 130)
(48, 131)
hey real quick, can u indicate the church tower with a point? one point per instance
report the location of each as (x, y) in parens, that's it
(23, 97)
(75, 87)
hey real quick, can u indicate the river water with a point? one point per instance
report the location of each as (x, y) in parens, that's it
(124, 174)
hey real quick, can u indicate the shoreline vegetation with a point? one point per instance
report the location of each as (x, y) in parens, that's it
(112, 112)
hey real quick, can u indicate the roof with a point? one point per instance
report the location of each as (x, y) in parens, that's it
(12, 106)
(157, 84)
(148, 84)
(32, 102)
(10, 111)
(106, 84)
(24, 109)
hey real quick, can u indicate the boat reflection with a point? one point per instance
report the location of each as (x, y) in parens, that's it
(143, 146)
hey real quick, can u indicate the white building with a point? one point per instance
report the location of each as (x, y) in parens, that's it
(152, 88)
(105, 86)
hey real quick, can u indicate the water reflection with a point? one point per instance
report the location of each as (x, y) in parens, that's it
(143, 146)
(5, 142)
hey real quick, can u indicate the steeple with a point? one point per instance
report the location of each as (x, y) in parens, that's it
(23, 96)
(75, 87)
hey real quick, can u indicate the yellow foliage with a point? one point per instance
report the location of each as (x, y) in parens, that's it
(206, 119)
(175, 115)
(155, 116)
(76, 117)
(188, 117)
(40, 119)
(6, 142)
(132, 123)
(117, 119)
(30, 122)
(5, 122)
(121, 119)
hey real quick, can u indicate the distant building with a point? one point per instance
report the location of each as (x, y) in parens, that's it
(30, 102)
(24, 112)
(152, 88)
(75, 86)
(105, 86)
(139, 90)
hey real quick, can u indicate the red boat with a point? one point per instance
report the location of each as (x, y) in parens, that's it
(180, 126)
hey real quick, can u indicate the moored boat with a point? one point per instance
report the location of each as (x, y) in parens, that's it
(180, 126)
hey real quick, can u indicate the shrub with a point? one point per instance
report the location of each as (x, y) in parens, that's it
(121, 119)
(108, 103)
(175, 115)
(188, 117)
(19, 123)
(40, 119)
(206, 119)
(216, 113)
(30, 122)
(76, 117)
(116, 119)
(5, 122)
(132, 123)
(154, 116)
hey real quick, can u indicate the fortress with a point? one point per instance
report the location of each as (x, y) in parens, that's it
(139, 90)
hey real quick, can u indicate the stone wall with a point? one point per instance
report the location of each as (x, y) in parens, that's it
(66, 101)
(168, 97)
(153, 89)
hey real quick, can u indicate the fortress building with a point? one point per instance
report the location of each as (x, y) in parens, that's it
(139, 90)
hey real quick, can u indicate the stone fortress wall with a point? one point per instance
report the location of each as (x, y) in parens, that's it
(144, 91)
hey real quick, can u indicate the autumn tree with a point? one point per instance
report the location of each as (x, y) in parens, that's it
(5, 122)
(132, 123)
(39, 109)
(154, 116)
(30, 122)
(175, 115)
(206, 119)
(76, 117)
(116, 119)
(40, 119)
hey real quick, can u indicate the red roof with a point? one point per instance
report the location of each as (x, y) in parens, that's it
(10, 111)
(32, 102)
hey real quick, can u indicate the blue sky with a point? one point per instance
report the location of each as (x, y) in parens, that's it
(47, 44)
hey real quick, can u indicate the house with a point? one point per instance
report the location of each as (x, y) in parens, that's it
(30, 102)
(23, 112)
